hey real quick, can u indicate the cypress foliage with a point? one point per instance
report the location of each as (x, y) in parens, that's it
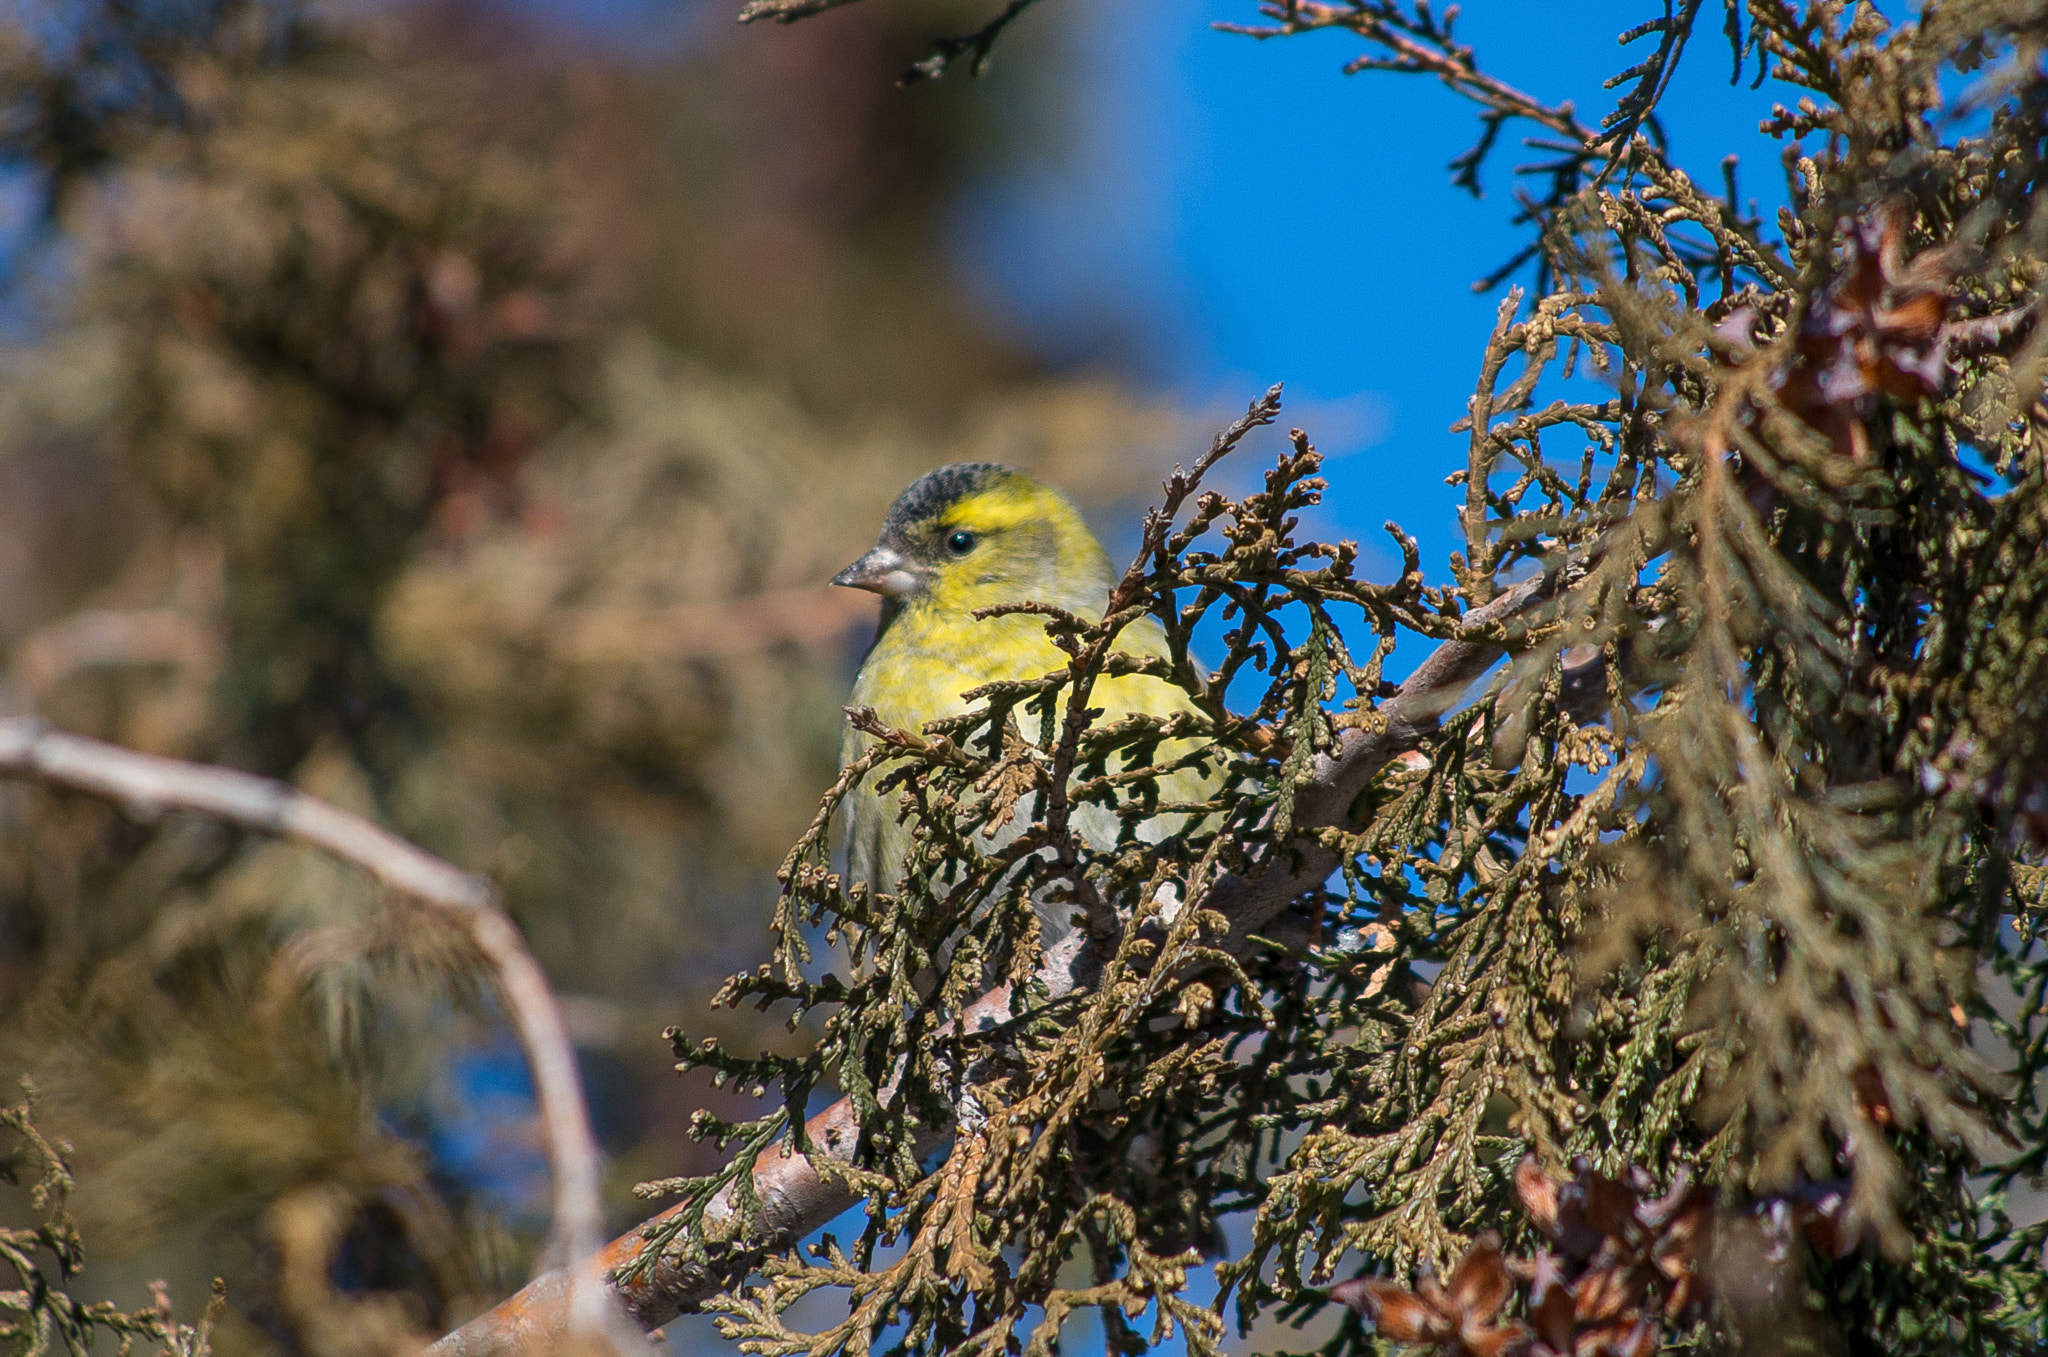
(1728, 883)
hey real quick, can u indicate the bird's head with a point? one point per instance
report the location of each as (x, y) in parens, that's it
(977, 534)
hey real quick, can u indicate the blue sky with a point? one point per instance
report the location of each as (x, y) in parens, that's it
(1219, 213)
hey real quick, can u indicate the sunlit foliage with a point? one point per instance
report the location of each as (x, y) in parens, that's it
(1732, 870)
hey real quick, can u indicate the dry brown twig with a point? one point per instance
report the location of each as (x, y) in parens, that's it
(148, 785)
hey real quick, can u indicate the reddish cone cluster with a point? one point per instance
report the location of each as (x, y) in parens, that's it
(1881, 328)
(1461, 1319)
(1623, 1264)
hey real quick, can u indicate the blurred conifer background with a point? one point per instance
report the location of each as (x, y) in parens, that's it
(457, 419)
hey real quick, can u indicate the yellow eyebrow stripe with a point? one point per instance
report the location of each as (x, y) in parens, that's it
(1009, 506)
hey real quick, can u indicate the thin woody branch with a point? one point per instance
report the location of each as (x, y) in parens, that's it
(971, 50)
(786, 11)
(149, 785)
(1418, 45)
(107, 638)
(800, 1193)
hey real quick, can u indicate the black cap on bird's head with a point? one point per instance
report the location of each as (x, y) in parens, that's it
(901, 561)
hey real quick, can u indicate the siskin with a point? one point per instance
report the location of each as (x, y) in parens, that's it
(969, 536)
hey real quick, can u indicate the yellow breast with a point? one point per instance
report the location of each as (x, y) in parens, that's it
(922, 664)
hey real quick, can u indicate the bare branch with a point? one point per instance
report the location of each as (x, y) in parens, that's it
(786, 11)
(972, 48)
(1422, 46)
(149, 785)
(975, 47)
(101, 638)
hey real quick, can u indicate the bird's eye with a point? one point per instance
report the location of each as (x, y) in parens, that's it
(961, 542)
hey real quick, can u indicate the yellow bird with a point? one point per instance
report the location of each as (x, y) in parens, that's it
(965, 537)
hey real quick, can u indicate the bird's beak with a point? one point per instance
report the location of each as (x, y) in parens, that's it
(882, 571)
